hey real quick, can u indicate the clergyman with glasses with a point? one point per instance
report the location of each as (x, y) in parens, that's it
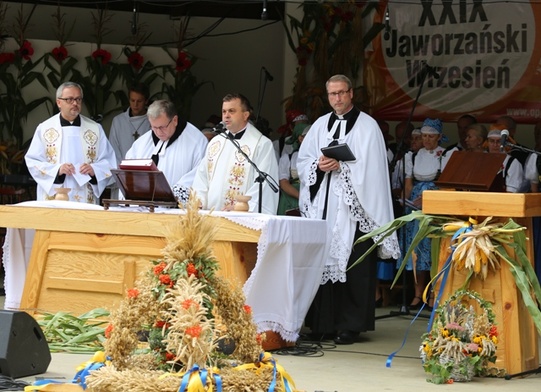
(175, 145)
(354, 197)
(70, 151)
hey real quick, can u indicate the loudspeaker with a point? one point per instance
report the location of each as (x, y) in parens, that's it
(23, 348)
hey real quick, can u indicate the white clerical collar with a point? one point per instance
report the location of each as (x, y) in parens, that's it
(158, 150)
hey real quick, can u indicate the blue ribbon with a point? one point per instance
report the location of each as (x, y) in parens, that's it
(444, 273)
(272, 385)
(186, 378)
(218, 381)
(273, 382)
(80, 376)
(392, 355)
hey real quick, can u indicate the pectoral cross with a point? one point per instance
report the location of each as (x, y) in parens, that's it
(135, 135)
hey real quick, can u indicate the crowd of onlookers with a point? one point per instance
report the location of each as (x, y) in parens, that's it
(417, 156)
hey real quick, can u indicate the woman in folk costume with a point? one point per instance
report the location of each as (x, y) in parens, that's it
(511, 170)
(422, 169)
(288, 174)
(70, 151)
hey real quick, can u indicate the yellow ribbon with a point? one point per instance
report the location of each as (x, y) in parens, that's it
(267, 361)
(193, 382)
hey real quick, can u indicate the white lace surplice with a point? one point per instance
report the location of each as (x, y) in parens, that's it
(359, 192)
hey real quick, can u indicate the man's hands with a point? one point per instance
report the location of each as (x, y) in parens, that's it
(69, 169)
(328, 164)
(86, 169)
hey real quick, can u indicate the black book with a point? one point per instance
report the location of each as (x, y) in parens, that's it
(340, 152)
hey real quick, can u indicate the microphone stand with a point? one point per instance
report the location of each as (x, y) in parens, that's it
(515, 147)
(404, 309)
(261, 93)
(262, 176)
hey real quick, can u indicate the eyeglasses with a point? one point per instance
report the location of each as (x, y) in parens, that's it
(338, 93)
(162, 128)
(70, 100)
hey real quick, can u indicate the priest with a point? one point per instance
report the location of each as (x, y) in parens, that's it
(175, 146)
(70, 151)
(353, 197)
(225, 172)
(129, 125)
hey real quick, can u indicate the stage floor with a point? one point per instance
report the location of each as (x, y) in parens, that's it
(361, 366)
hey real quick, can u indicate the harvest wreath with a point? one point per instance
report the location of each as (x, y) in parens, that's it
(478, 248)
(183, 328)
(462, 341)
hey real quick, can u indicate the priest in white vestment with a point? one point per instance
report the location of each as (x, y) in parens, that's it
(129, 125)
(70, 151)
(175, 146)
(354, 197)
(225, 172)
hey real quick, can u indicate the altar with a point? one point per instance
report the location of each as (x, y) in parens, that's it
(83, 257)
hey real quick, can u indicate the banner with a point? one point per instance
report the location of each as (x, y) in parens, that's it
(474, 56)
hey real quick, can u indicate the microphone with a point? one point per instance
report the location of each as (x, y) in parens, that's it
(503, 140)
(264, 15)
(269, 77)
(219, 128)
(134, 20)
(387, 33)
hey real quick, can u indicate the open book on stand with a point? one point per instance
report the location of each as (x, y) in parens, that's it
(141, 183)
(138, 164)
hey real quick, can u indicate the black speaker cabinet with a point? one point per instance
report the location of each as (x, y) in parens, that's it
(23, 348)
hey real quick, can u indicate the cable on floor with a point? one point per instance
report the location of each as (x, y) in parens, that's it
(8, 383)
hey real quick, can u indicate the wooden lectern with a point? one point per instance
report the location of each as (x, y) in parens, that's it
(473, 171)
(518, 337)
(144, 188)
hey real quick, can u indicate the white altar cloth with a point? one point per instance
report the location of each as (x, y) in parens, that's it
(290, 259)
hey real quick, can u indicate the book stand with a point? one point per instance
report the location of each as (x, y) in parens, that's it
(147, 188)
(473, 171)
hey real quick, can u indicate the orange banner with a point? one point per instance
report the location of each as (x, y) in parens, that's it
(456, 57)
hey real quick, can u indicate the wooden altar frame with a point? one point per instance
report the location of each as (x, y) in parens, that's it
(518, 338)
(85, 259)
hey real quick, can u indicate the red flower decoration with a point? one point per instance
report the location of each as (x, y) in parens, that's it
(60, 53)
(26, 50)
(7, 58)
(102, 55)
(136, 60)
(133, 293)
(247, 309)
(186, 304)
(165, 279)
(159, 268)
(303, 54)
(194, 331)
(169, 356)
(161, 324)
(183, 62)
(191, 270)
(108, 331)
